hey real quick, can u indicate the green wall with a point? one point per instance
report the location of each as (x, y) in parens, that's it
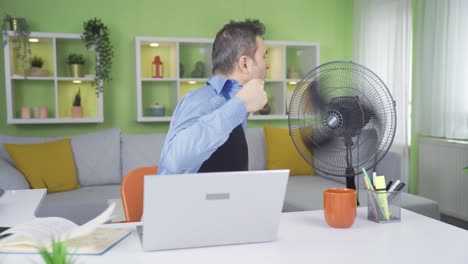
(328, 22)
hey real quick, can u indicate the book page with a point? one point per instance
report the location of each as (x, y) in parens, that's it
(90, 226)
(97, 242)
(39, 231)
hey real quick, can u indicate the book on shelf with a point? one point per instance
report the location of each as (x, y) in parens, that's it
(90, 238)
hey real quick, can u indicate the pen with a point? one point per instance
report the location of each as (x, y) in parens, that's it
(400, 186)
(374, 175)
(388, 185)
(372, 197)
(397, 189)
(394, 185)
(366, 177)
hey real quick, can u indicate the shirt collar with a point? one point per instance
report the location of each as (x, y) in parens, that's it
(219, 83)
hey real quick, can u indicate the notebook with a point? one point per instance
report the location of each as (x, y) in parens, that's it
(212, 209)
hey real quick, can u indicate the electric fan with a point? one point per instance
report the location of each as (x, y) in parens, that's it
(342, 118)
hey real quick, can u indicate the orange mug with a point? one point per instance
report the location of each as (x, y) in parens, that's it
(339, 206)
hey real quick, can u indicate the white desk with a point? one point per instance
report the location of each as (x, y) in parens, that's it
(304, 237)
(19, 206)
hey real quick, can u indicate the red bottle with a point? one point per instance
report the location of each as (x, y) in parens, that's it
(158, 69)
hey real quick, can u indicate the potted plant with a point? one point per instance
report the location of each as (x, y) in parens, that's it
(58, 255)
(96, 37)
(20, 41)
(36, 68)
(77, 109)
(76, 63)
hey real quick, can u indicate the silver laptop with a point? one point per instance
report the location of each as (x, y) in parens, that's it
(211, 209)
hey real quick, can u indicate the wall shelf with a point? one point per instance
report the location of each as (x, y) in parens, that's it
(56, 91)
(288, 60)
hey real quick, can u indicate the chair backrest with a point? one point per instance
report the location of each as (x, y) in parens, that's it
(131, 191)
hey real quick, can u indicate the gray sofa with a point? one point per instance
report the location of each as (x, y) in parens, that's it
(103, 158)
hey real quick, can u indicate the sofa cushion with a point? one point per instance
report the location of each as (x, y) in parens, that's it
(15, 140)
(97, 157)
(46, 165)
(256, 145)
(10, 177)
(141, 151)
(282, 154)
(80, 205)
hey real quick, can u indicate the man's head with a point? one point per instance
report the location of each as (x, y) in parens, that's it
(239, 51)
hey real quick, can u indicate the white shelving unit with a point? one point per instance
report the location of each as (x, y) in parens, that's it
(180, 56)
(56, 91)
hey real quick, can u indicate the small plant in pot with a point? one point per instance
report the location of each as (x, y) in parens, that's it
(19, 39)
(76, 63)
(77, 109)
(96, 37)
(36, 68)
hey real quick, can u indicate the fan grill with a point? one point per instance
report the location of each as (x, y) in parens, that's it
(342, 103)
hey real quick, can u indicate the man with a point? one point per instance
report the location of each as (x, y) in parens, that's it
(206, 133)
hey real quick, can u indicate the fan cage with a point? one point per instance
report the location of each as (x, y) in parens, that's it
(319, 145)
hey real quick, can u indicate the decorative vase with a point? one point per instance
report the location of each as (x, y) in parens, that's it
(199, 71)
(25, 112)
(43, 113)
(76, 70)
(265, 110)
(157, 110)
(77, 111)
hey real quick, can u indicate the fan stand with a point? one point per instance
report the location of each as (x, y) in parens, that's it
(349, 173)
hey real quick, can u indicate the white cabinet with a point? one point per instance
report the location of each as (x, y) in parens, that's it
(52, 89)
(186, 65)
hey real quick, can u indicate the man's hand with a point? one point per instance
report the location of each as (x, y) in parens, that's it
(253, 95)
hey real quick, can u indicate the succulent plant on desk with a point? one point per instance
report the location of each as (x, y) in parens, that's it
(57, 255)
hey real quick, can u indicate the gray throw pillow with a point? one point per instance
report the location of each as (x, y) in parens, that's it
(141, 151)
(97, 157)
(10, 177)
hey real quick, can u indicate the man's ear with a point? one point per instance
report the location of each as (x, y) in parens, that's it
(242, 63)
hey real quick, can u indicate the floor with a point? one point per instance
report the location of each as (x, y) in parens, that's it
(454, 221)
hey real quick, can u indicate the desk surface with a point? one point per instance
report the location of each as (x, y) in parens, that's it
(304, 237)
(19, 206)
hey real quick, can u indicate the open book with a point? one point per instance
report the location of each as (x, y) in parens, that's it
(85, 239)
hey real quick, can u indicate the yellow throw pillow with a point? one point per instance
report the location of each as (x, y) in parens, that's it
(46, 165)
(282, 154)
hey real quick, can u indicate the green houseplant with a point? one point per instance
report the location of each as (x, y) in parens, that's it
(37, 62)
(77, 109)
(20, 39)
(96, 37)
(58, 255)
(36, 68)
(76, 63)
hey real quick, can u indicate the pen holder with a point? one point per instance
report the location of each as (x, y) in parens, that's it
(384, 207)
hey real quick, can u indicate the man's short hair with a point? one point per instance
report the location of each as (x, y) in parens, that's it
(233, 41)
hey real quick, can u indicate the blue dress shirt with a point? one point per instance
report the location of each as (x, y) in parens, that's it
(202, 122)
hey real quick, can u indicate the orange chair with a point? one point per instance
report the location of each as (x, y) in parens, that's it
(131, 192)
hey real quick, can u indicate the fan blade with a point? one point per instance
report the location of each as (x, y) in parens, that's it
(315, 96)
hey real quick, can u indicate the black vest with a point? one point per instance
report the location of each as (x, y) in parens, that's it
(233, 155)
